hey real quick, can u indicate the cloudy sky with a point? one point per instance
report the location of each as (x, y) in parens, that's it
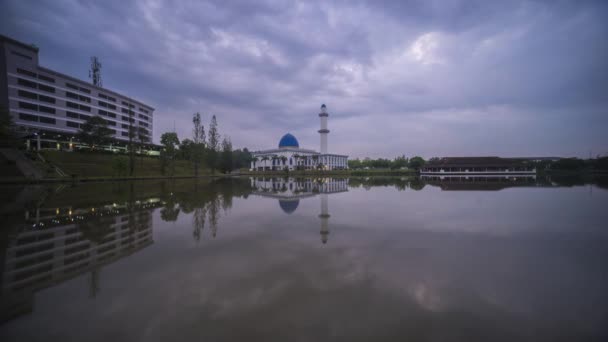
(434, 78)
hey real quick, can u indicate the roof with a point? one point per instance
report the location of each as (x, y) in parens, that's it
(474, 162)
(288, 140)
(31, 47)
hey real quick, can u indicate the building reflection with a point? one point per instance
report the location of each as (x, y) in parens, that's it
(289, 191)
(480, 183)
(56, 244)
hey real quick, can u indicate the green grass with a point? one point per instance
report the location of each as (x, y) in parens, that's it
(101, 165)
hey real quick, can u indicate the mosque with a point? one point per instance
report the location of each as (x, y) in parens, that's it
(289, 155)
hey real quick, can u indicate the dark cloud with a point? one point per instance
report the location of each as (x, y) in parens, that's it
(436, 76)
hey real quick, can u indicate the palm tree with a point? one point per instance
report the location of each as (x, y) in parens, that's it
(264, 158)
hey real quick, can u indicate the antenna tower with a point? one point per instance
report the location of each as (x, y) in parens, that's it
(95, 71)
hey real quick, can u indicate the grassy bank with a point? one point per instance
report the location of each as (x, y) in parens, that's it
(98, 165)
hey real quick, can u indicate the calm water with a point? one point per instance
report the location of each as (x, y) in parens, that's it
(306, 260)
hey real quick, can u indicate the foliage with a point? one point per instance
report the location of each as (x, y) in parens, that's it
(197, 148)
(241, 158)
(170, 141)
(213, 144)
(416, 162)
(6, 126)
(569, 164)
(226, 156)
(95, 132)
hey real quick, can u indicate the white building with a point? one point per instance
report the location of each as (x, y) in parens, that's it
(289, 155)
(54, 105)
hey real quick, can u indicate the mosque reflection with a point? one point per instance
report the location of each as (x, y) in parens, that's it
(53, 244)
(288, 191)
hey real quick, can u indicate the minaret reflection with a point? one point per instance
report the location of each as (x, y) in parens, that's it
(289, 191)
(324, 216)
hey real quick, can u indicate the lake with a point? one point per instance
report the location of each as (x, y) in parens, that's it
(234, 259)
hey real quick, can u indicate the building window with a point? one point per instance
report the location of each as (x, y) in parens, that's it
(50, 121)
(26, 83)
(84, 99)
(125, 126)
(111, 123)
(46, 78)
(46, 88)
(85, 108)
(46, 109)
(28, 117)
(26, 72)
(71, 86)
(27, 94)
(84, 117)
(72, 114)
(125, 104)
(46, 99)
(84, 90)
(72, 124)
(125, 110)
(29, 106)
(71, 104)
(143, 117)
(109, 98)
(143, 124)
(125, 134)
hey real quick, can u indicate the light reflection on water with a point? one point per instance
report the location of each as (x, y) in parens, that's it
(327, 258)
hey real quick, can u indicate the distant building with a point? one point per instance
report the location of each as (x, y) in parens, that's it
(55, 105)
(478, 166)
(290, 156)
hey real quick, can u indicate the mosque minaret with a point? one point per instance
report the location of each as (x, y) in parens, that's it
(323, 131)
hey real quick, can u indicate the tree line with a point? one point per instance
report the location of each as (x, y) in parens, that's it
(401, 162)
(204, 148)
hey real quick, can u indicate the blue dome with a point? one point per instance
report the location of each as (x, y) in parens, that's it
(288, 140)
(289, 206)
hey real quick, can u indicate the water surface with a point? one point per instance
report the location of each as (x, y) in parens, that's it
(305, 259)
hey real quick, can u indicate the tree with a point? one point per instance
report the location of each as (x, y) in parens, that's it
(95, 132)
(198, 144)
(132, 133)
(226, 157)
(7, 137)
(169, 141)
(186, 147)
(142, 137)
(213, 144)
(416, 162)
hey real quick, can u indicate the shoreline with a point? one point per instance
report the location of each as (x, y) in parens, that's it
(343, 173)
